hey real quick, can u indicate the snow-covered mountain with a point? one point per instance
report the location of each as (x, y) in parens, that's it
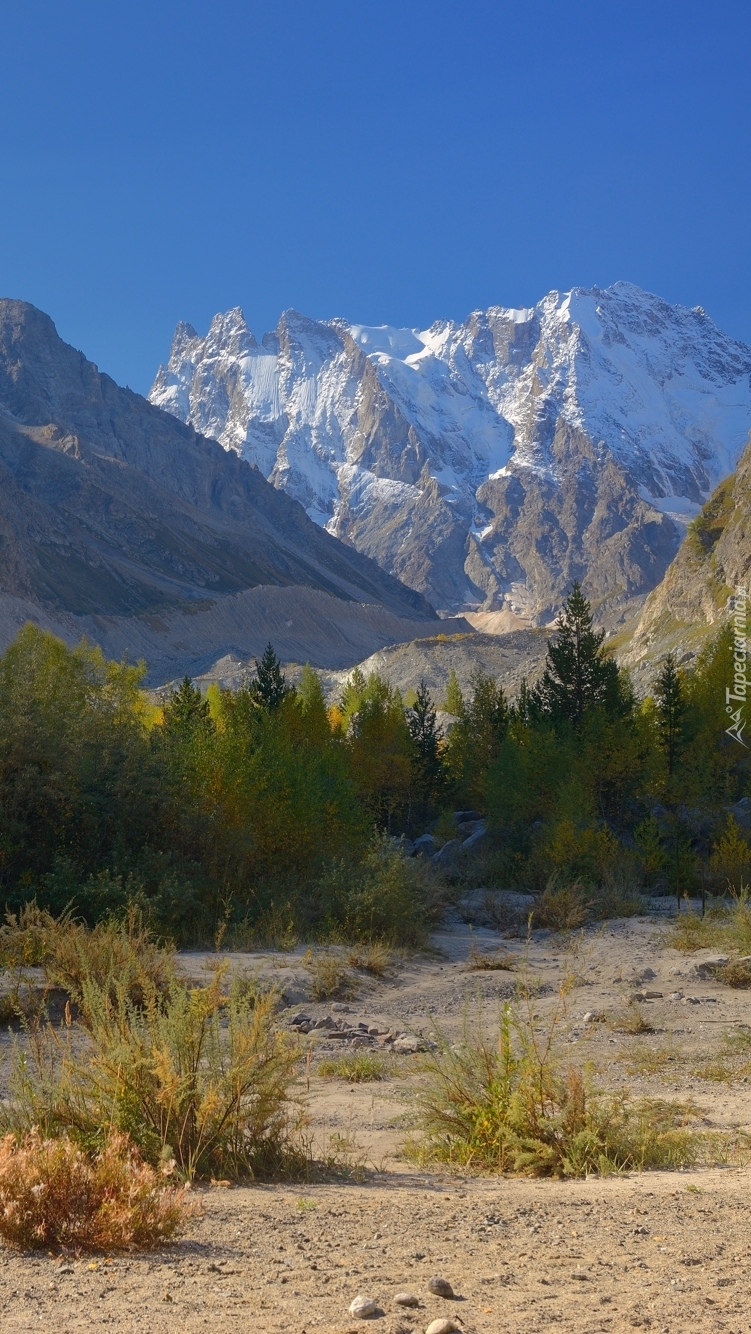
(487, 463)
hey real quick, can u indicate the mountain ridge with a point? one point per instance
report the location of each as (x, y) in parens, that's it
(488, 463)
(113, 509)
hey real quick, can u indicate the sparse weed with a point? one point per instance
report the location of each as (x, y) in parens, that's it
(641, 1059)
(731, 1063)
(23, 1003)
(360, 1068)
(54, 1194)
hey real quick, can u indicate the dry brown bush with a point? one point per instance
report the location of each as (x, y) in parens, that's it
(54, 1194)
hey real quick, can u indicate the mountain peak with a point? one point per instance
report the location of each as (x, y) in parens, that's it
(490, 462)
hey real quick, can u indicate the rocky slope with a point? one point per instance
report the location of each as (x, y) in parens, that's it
(116, 518)
(486, 464)
(691, 602)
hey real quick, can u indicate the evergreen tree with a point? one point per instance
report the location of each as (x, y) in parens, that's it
(454, 701)
(186, 712)
(426, 756)
(475, 741)
(671, 709)
(270, 686)
(578, 676)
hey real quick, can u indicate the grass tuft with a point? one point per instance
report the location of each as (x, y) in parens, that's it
(632, 1020)
(478, 962)
(363, 1068)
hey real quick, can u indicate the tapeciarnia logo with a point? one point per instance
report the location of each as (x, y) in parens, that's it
(735, 696)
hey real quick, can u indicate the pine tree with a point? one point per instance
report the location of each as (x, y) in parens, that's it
(186, 711)
(578, 676)
(270, 686)
(671, 709)
(426, 756)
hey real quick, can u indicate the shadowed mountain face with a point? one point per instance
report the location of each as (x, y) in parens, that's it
(110, 507)
(696, 595)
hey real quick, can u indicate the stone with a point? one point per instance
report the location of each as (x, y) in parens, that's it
(447, 853)
(474, 842)
(424, 846)
(440, 1287)
(708, 968)
(443, 1326)
(406, 1299)
(363, 1307)
(407, 1044)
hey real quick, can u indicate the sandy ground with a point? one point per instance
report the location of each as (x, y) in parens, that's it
(666, 1251)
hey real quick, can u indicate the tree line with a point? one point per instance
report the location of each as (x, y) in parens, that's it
(264, 805)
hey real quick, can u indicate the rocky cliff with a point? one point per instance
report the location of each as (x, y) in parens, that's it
(691, 602)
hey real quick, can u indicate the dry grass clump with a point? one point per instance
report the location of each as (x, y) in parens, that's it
(330, 975)
(632, 1020)
(479, 962)
(647, 1060)
(363, 1068)
(54, 1194)
(117, 955)
(564, 907)
(515, 1107)
(727, 927)
(737, 973)
(193, 1076)
(374, 958)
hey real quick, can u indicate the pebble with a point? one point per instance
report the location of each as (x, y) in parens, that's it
(362, 1307)
(406, 1299)
(443, 1326)
(440, 1287)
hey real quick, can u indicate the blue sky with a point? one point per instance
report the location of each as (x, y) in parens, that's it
(392, 162)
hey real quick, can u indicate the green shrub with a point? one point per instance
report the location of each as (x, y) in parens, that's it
(192, 1075)
(514, 1107)
(385, 897)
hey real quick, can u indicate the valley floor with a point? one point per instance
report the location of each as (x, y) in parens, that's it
(665, 1251)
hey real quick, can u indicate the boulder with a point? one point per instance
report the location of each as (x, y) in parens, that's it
(446, 854)
(424, 846)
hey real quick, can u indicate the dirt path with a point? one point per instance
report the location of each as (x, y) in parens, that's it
(662, 1251)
